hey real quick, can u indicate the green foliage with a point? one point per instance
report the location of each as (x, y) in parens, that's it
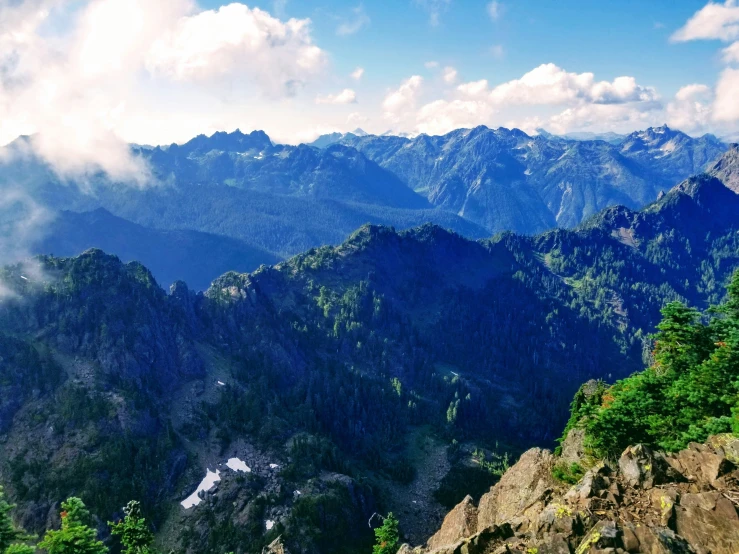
(387, 536)
(496, 465)
(75, 535)
(9, 533)
(133, 531)
(570, 474)
(690, 392)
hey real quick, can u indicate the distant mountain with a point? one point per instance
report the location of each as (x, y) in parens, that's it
(726, 168)
(332, 138)
(507, 180)
(613, 138)
(191, 256)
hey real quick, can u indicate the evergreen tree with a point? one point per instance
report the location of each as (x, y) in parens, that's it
(133, 531)
(75, 535)
(9, 534)
(387, 536)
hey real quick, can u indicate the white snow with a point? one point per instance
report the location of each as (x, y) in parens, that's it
(273, 466)
(297, 493)
(24, 277)
(221, 384)
(211, 478)
(237, 465)
(269, 524)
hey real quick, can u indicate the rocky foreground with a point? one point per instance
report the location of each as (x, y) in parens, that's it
(647, 502)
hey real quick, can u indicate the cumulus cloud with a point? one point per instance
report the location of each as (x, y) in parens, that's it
(434, 8)
(450, 75)
(690, 111)
(442, 116)
(431, 65)
(280, 56)
(731, 53)
(346, 96)
(584, 102)
(726, 107)
(550, 84)
(356, 118)
(357, 74)
(71, 84)
(495, 10)
(354, 23)
(713, 21)
(404, 99)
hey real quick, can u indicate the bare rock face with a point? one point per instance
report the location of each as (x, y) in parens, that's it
(460, 523)
(522, 490)
(573, 447)
(682, 503)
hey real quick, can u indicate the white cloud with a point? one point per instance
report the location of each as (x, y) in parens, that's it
(279, 7)
(346, 96)
(713, 21)
(583, 101)
(450, 75)
(74, 83)
(435, 9)
(731, 53)
(431, 65)
(356, 118)
(442, 116)
(497, 51)
(726, 107)
(235, 39)
(22, 221)
(401, 101)
(690, 111)
(495, 10)
(550, 84)
(357, 74)
(355, 23)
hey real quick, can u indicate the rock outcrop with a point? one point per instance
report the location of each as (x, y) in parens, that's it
(649, 502)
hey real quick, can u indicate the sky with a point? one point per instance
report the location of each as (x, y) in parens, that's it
(87, 76)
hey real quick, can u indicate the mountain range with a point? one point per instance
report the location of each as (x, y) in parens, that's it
(348, 379)
(249, 193)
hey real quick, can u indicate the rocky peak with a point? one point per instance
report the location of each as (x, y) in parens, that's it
(647, 502)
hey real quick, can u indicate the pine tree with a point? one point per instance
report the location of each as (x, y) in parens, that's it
(75, 536)
(9, 534)
(387, 536)
(133, 531)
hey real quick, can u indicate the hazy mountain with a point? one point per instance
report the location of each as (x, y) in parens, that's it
(332, 138)
(191, 256)
(488, 175)
(726, 168)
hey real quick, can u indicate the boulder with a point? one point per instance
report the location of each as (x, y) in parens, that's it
(709, 522)
(653, 540)
(522, 491)
(702, 464)
(458, 524)
(604, 534)
(593, 482)
(573, 447)
(642, 468)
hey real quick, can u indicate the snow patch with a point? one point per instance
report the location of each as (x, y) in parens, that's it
(221, 384)
(269, 524)
(208, 482)
(273, 466)
(237, 465)
(24, 277)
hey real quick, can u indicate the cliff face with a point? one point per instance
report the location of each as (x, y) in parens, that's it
(647, 502)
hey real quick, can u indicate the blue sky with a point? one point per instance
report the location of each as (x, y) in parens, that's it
(162, 71)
